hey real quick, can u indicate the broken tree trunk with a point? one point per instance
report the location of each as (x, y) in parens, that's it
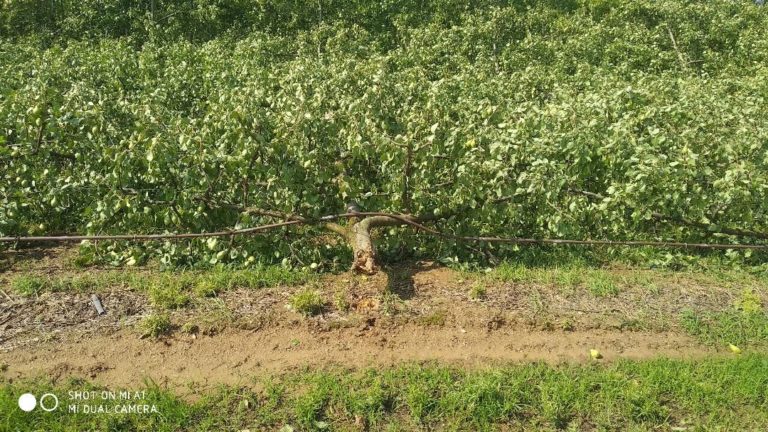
(357, 232)
(359, 237)
(363, 250)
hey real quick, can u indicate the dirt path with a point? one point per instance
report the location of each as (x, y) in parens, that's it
(408, 314)
(233, 357)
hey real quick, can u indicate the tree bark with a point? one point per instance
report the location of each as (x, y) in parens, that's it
(363, 250)
(357, 232)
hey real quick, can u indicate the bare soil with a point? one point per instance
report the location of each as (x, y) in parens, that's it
(415, 313)
(235, 356)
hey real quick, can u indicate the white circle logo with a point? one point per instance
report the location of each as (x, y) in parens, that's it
(54, 404)
(27, 402)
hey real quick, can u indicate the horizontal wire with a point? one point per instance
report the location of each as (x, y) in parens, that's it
(405, 220)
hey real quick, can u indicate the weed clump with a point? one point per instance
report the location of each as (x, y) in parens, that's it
(28, 285)
(749, 302)
(341, 302)
(307, 302)
(601, 285)
(168, 294)
(155, 325)
(478, 291)
(190, 328)
(206, 287)
(436, 318)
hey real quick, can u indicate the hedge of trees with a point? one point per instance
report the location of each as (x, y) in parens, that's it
(583, 119)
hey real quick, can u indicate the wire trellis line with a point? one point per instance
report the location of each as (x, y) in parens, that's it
(404, 219)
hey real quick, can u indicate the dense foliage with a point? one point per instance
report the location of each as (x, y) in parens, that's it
(141, 117)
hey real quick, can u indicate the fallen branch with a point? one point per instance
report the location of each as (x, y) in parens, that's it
(6, 295)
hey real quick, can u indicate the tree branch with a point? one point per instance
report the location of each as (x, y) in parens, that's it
(40, 133)
(407, 168)
(330, 226)
(683, 63)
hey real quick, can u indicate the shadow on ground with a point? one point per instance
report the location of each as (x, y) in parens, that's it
(400, 280)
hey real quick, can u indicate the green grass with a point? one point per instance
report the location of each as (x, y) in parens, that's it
(169, 292)
(307, 302)
(601, 281)
(156, 325)
(727, 327)
(341, 302)
(745, 323)
(750, 302)
(601, 284)
(708, 394)
(202, 283)
(27, 285)
(435, 318)
(207, 287)
(478, 291)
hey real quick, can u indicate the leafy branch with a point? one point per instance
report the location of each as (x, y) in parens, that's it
(711, 228)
